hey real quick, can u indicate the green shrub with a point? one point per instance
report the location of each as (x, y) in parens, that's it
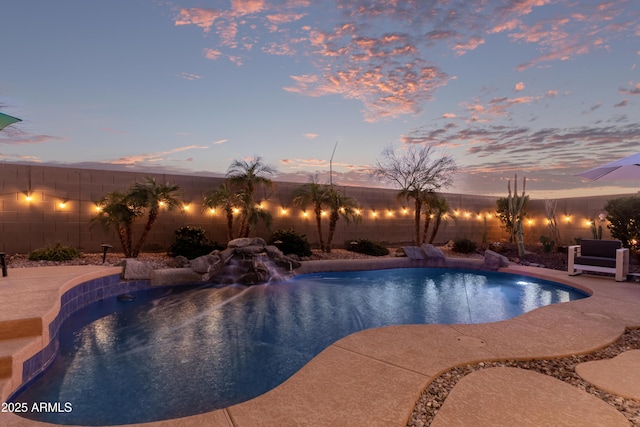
(623, 215)
(190, 242)
(367, 247)
(291, 242)
(55, 252)
(464, 246)
(547, 244)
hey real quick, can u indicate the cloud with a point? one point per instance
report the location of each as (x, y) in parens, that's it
(635, 90)
(246, 7)
(220, 141)
(12, 136)
(311, 135)
(189, 76)
(381, 53)
(622, 103)
(203, 18)
(153, 157)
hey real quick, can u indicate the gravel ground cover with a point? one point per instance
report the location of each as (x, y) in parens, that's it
(433, 397)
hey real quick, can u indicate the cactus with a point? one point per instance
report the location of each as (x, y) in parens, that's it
(596, 232)
(516, 205)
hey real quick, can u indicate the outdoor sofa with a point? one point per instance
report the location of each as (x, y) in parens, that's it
(603, 256)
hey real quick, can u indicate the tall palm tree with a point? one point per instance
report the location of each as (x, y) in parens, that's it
(247, 176)
(250, 174)
(316, 195)
(340, 205)
(224, 197)
(116, 211)
(417, 195)
(428, 212)
(150, 195)
(441, 212)
(250, 213)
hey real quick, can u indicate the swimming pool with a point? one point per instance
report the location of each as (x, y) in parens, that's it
(181, 351)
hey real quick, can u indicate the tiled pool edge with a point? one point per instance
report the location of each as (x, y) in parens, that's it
(75, 298)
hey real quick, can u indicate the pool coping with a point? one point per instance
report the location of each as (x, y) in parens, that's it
(374, 377)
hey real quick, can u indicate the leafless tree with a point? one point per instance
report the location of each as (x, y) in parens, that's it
(419, 170)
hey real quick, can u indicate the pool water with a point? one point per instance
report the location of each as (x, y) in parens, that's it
(180, 351)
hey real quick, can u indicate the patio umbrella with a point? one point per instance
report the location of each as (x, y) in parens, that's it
(626, 168)
(6, 120)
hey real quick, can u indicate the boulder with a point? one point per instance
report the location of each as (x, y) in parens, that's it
(413, 252)
(203, 264)
(179, 262)
(250, 249)
(258, 241)
(239, 243)
(493, 260)
(174, 276)
(136, 270)
(273, 251)
(432, 252)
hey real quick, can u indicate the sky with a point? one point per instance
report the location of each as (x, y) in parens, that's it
(540, 88)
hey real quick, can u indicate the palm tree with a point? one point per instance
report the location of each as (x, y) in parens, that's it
(251, 213)
(150, 195)
(222, 196)
(117, 211)
(417, 195)
(316, 195)
(428, 212)
(248, 175)
(441, 211)
(340, 205)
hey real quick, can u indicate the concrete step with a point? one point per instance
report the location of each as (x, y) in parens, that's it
(10, 347)
(18, 328)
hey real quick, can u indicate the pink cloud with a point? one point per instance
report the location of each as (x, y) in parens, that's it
(519, 86)
(311, 135)
(246, 7)
(635, 90)
(212, 54)
(471, 44)
(153, 157)
(203, 18)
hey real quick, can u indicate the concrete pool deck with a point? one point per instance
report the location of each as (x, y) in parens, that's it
(374, 377)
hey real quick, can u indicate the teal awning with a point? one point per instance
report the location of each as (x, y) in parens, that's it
(6, 120)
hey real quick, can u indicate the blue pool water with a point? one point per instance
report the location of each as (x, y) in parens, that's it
(182, 351)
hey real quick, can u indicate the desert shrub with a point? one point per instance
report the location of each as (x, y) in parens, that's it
(367, 247)
(464, 246)
(55, 252)
(191, 242)
(291, 242)
(547, 243)
(623, 215)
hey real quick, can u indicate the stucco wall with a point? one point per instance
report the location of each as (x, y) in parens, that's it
(27, 225)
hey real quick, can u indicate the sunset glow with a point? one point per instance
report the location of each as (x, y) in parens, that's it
(545, 89)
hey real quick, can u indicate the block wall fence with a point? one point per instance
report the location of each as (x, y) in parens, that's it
(41, 205)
